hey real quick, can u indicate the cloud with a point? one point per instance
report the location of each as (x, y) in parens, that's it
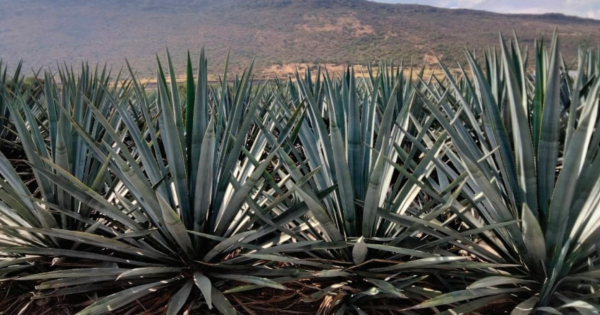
(582, 8)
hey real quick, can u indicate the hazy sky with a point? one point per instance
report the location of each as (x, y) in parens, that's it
(583, 8)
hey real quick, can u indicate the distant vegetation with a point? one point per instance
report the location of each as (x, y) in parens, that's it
(276, 32)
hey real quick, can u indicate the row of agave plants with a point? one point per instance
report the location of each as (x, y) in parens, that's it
(363, 193)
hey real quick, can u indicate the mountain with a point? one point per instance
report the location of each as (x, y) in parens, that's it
(278, 33)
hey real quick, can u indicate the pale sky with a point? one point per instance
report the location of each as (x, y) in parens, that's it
(582, 8)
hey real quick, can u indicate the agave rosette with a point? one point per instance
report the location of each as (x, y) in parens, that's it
(176, 206)
(366, 139)
(529, 142)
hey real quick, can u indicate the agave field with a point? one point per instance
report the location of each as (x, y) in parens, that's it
(475, 192)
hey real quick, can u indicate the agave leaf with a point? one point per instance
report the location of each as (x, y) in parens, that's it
(369, 218)
(15, 209)
(237, 200)
(96, 185)
(263, 282)
(86, 195)
(74, 273)
(496, 281)
(332, 274)
(472, 306)
(566, 184)
(367, 133)
(248, 287)
(343, 176)
(575, 98)
(462, 98)
(263, 215)
(388, 117)
(16, 261)
(120, 299)
(204, 178)
(69, 282)
(142, 96)
(53, 252)
(549, 135)
(205, 286)
(197, 112)
(295, 261)
(301, 246)
(386, 287)
(479, 231)
(470, 157)
(61, 292)
(49, 85)
(230, 157)
(359, 251)
(594, 274)
(11, 176)
(136, 234)
(190, 99)
(175, 99)
(102, 120)
(13, 238)
(62, 160)
(35, 158)
(221, 303)
(462, 295)
(172, 132)
(581, 306)
(139, 187)
(310, 139)
(526, 307)
(427, 226)
(101, 242)
(176, 227)
(323, 292)
(144, 152)
(290, 215)
(292, 127)
(533, 237)
(321, 216)
(523, 146)
(493, 195)
(548, 310)
(178, 299)
(219, 248)
(400, 250)
(141, 272)
(539, 96)
(419, 263)
(355, 147)
(496, 130)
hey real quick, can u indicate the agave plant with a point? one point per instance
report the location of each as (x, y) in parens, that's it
(529, 142)
(11, 86)
(354, 138)
(135, 231)
(6, 84)
(42, 129)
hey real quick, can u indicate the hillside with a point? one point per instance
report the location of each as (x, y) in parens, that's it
(279, 33)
